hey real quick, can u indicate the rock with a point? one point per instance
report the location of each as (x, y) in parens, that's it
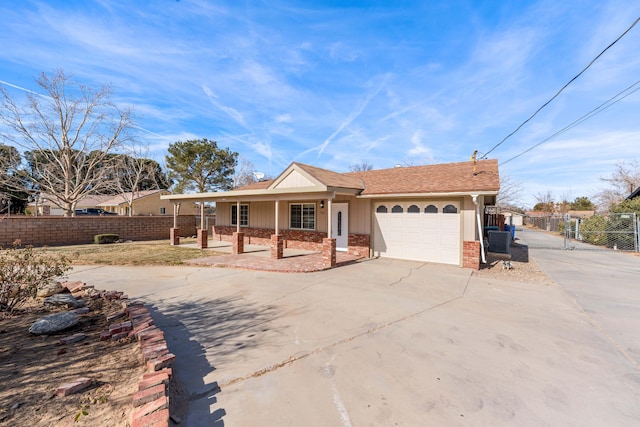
(49, 289)
(54, 323)
(63, 300)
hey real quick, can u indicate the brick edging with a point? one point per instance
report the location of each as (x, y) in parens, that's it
(134, 321)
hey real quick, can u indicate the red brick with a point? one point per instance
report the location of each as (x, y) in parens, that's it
(73, 338)
(119, 336)
(73, 387)
(148, 395)
(156, 419)
(105, 336)
(161, 362)
(116, 316)
(163, 378)
(157, 406)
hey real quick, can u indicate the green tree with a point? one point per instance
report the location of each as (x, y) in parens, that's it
(582, 204)
(13, 197)
(199, 165)
(628, 206)
(69, 130)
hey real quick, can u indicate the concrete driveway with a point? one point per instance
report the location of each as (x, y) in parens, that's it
(381, 342)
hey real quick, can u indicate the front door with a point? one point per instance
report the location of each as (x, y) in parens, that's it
(340, 225)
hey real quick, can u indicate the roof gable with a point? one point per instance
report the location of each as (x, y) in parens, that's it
(299, 175)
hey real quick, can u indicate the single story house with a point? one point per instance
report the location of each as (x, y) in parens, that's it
(146, 202)
(425, 213)
(45, 206)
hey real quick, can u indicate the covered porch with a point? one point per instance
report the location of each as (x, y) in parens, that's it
(258, 257)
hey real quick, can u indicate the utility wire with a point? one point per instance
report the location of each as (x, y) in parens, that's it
(561, 89)
(599, 109)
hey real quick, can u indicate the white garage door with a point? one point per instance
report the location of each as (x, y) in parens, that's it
(421, 231)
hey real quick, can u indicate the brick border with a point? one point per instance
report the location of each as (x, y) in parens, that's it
(151, 401)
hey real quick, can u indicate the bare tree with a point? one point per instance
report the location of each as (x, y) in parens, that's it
(130, 170)
(361, 167)
(510, 194)
(623, 181)
(545, 202)
(244, 173)
(68, 134)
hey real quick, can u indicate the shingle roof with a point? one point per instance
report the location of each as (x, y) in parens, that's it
(332, 179)
(442, 178)
(124, 197)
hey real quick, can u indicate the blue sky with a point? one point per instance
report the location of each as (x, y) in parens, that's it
(333, 83)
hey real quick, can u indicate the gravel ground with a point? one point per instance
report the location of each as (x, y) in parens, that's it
(523, 268)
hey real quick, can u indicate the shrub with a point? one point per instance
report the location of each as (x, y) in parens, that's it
(100, 239)
(22, 271)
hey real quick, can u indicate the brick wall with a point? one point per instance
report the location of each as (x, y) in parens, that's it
(58, 231)
(471, 255)
(359, 244)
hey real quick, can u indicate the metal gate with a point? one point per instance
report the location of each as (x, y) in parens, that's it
(611, 231)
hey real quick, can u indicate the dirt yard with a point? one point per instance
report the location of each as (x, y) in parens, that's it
(33, 367)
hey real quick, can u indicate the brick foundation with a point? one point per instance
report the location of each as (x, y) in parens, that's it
(329, 252)
(277, 247)
(174, 236)
(471, 255)
(292, 239)
(359, 245)
(202, 238)
(238, 242)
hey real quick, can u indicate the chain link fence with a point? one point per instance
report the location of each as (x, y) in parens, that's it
(607, 231)
(617, 231)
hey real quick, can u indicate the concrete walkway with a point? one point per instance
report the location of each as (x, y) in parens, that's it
(604, 283)
(381, 342)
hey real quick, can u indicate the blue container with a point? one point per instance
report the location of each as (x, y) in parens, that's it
(512, 229)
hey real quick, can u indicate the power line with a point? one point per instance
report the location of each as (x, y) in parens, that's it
(561, 89)
(599, 109)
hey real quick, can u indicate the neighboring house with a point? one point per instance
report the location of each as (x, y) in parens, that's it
(634, 194)
(146, 202)
(45, 206)
(426, 213)
(513, 217)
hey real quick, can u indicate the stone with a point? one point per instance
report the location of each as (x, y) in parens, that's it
(63, 300)
(54, 323)
(49, 289)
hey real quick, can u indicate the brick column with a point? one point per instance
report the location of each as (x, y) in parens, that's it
(277, 246)
(471, 255)
(238, 242)
(174, 236)
(328, 252)
(202, 238)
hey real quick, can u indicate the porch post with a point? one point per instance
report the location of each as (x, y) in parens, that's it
(202, 231)
(329, 219)
(238, 237)
(174, 232)
(277, 220)
(277, 244)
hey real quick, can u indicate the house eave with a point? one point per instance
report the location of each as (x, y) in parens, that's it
(263, 194)
(428, 194)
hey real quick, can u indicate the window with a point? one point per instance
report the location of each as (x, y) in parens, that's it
(413, 209)
(449, 209)
(381, 209)
(431, 209)
(302, 216)
(163, 211)
(244, 215)
(397, 209)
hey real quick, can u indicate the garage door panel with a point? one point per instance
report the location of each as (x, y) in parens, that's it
(432, 237)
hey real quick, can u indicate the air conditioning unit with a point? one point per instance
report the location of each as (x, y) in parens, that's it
(500, 242)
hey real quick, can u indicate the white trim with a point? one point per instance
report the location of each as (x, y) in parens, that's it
(315, 216)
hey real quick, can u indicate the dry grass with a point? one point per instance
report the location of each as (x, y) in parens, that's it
(131, 253)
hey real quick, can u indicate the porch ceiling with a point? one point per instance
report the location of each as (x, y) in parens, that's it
(303, 193)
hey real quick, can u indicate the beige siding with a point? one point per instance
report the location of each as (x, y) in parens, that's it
(295, 180)
(223, 213)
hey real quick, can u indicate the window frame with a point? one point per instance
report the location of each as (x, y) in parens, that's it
(302, 207)
(244, 222)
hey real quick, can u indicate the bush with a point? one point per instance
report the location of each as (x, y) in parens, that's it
(100, 239)
(22, 271)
